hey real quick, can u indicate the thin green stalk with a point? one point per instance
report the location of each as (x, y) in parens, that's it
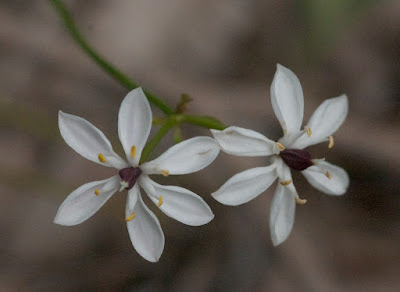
(202, 121)
(168, 124)
(107, 66)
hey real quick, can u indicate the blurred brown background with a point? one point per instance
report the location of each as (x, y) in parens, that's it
(224, 54)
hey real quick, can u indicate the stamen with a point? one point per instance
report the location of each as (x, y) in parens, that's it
(124, 185)
(96, 192)
(102, 159)
(165, 172)
(280, 146)
(133, 151)
(328, 174)
(160, 201)
(308, 130)
(130, 217)
(300, 201)
(285, 182)
(331, 142)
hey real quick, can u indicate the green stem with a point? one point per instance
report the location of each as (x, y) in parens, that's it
(201, 121)
(168, 124)
(108, 67)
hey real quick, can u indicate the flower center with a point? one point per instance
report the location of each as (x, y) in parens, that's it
(129, 176)
(296, 159)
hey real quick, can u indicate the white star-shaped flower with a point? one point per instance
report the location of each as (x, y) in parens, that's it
(134, 123)
(288, 153)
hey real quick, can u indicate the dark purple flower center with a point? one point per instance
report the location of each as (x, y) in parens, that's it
(296, 159)
(130, 175)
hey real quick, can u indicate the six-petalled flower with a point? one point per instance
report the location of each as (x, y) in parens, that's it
(287, 153)
(134, 124)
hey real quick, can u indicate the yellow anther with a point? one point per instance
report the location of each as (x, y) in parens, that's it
(280, 146)
(130, 217)
(328, 174)
(96, 192)
(102, 159)
(308, 130)
(285, 182)
(165, 172)
(331, 142)
(160, 201)
(301, 201)
(133, 151)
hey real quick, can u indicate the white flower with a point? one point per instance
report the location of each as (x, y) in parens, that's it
(134, 123)
(288, 152)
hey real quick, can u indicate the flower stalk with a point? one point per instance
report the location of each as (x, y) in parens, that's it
(101, 61)
(167, 125)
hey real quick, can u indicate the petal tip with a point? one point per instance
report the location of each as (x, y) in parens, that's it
(281, 68)
(203, 221)
(208, 219)
(276, 242)
(215, 195)
(61, 115)
(55, 221)
(220, 199)
(152, 259)
(58, 221)
(137, 92)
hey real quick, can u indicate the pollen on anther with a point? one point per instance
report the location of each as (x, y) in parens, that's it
(102, 159)
(285, 182)
(130, 217)
(160, 201)
(328, 175)
(280, 146)
(331, 142)
(133, 151)
(96, 192)
(301, 201)
(165, 172)
(308, 131)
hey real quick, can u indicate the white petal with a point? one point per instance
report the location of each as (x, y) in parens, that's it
(318, 177)
(244, 142)
(144, 229)
(287, 100)
(82, 203)
(282, 213)
(185, 157)
(246, 185)
(134, 123)
(87, 140)
(282, 170)
(325, 121)
(178, 203)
